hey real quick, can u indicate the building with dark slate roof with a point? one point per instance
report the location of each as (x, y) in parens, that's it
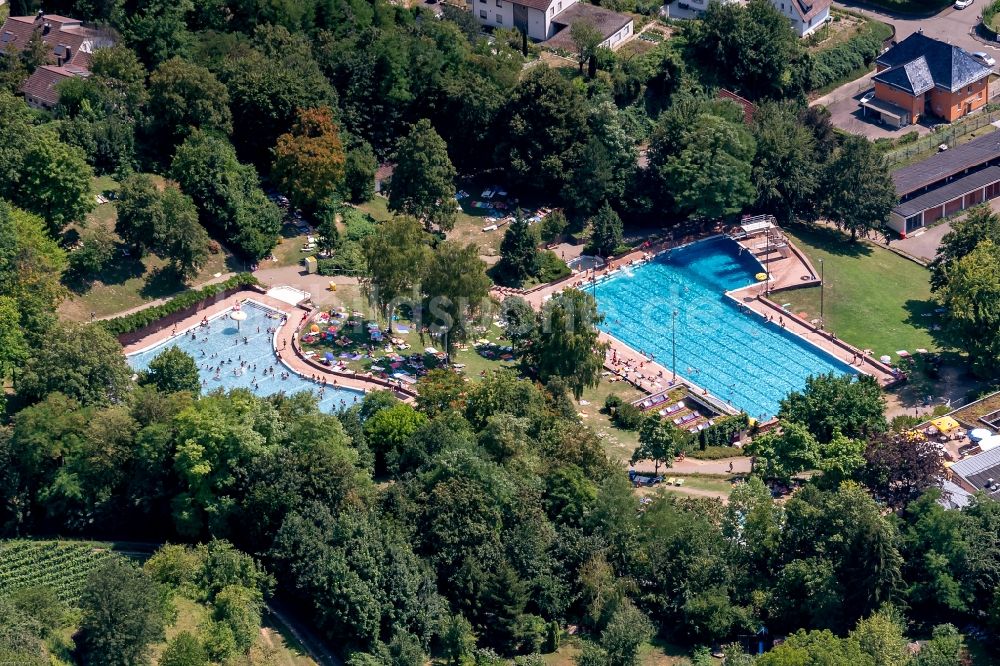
(921, 75)
(946, 183)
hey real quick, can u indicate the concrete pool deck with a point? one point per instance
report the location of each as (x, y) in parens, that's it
(789, 269)
(286, 343)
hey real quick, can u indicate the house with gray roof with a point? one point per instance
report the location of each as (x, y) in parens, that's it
(921, 75)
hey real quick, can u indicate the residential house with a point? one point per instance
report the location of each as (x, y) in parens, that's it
(921, 75)
(543, 20)
(71, 46)
(806, 16)
(532, 17)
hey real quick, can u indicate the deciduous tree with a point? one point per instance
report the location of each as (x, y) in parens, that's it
(854, 406)
(172, 370)
(123, 614)
(860, 193)
(518, 254)
(309, 160)
(423, 182)
(564, 342)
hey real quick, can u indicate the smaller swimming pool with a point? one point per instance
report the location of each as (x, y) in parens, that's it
(228, 358)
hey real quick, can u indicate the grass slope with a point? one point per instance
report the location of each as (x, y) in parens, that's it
(874, 299)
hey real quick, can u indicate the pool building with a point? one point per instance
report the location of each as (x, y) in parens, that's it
(676, 308)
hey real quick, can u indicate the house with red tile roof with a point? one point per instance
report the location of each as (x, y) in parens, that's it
(70, 45)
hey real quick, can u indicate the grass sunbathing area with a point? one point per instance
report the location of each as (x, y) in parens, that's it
(358, 342)
(873, 298)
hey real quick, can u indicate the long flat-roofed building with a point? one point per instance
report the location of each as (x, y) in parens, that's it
(946, 183)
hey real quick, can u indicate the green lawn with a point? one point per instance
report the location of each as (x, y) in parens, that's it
(129, 282)
(873, 299)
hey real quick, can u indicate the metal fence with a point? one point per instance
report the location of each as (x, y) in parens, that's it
(947, 135)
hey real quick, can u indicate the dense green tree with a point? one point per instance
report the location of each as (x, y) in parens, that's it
(967, 289)
(564, 342)
(97, 250)
(172, 370)
(707, 169)
(227, 194)
(423, 182)
(267, 85)
(660, 441)
(397, 258)
(785, 170)
(185, 96)
(545, 131)
(945, 648)
(455, 289)
(82, 362)
(155, 29)
(31, 268)
(141, 219)
(847, 528)
(123, 614)
(783, 454)
(815, 648)
(359, 173)
(457, 640)
(967, 231)
(880, 636)
(183, 241)
(936, 548)
(53, 181)
(13, 347)
(853, 406)
(518, 254)
(747, 47)
(606, 234)
(860, 192)
(389, 431)
(118, 70)
(626, 632)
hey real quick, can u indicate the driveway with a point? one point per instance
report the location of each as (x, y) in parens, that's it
(924, 244)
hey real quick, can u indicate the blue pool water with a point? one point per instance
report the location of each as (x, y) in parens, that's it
(737, 356)
(220, 343)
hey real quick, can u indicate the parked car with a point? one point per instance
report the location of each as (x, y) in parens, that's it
(962, 4)
(867, 97)
(984, 58)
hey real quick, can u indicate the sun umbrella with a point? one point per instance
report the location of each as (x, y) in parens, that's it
(977, 434)
(239, 316)
(885, 358)
(761, 277)
(314, 328)
(329, 357)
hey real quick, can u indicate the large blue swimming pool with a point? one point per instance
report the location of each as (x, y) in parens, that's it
(221, 344)
(736, 355)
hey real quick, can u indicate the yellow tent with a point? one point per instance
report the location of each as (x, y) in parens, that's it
(945, 424)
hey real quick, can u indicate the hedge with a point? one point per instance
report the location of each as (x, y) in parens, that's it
(844, 59)
(723, 431)
(143, 318)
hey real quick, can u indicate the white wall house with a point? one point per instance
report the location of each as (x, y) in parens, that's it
(533, 17)
(806, 16)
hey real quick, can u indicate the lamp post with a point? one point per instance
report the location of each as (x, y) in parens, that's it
(444, 332)
(767, 285)
(673, 342)
(822, 287)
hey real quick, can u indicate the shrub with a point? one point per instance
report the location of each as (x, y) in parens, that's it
(551, 267)
(716, 452)
(612, 403)
(348, 259)
(143, 318)
(838, 62)
(628, 417)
